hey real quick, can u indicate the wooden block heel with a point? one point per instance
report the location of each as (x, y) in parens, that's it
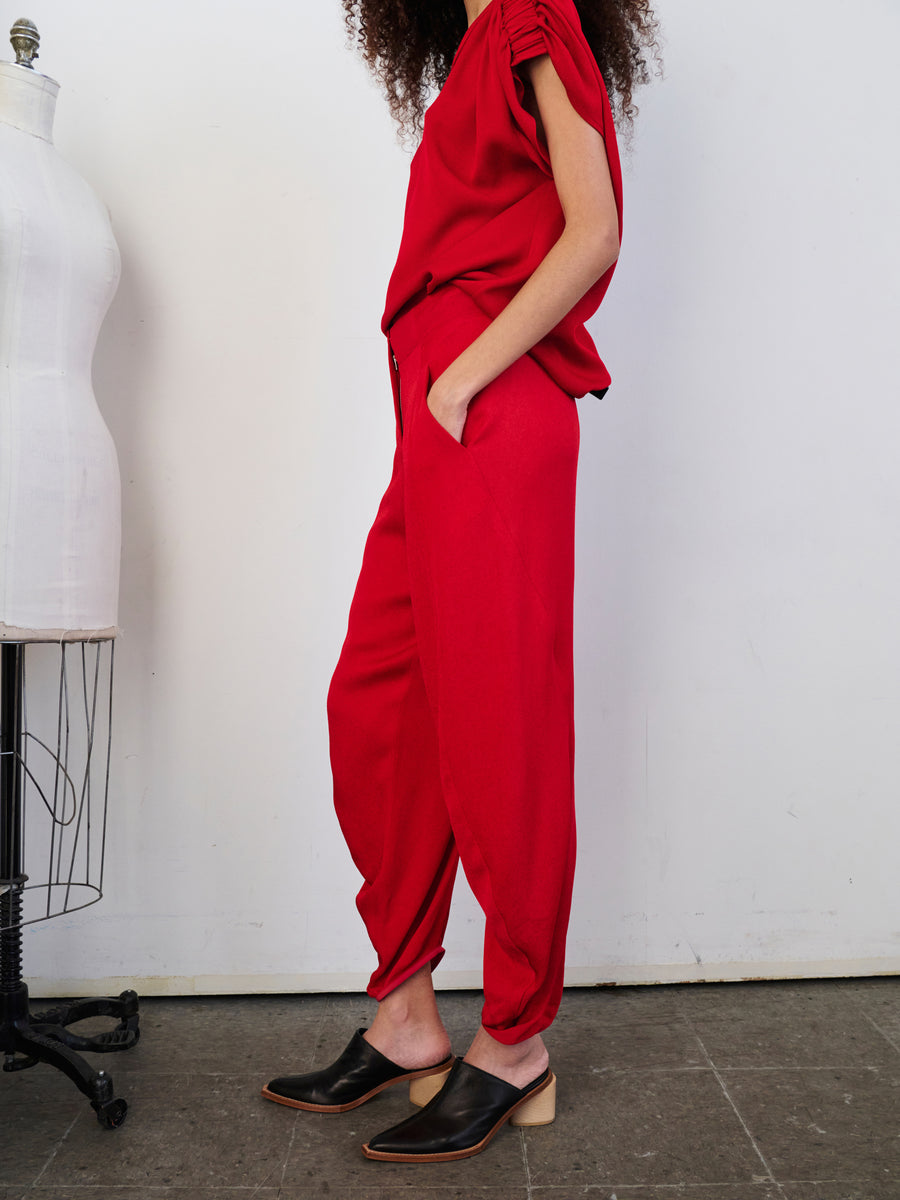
(423, 1090)
(540, 1109)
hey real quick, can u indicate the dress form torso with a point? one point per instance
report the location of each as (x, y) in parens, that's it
(60, 523)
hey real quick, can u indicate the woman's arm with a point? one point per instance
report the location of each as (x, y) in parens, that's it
(587, 247)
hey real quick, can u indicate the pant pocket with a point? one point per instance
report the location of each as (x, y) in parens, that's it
(439, 432)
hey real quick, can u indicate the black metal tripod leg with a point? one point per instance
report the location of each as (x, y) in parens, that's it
(96, 1085)
(53, 1023)
(124, 1005)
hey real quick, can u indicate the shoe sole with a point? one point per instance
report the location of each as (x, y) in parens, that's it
(470, 1151)
(305, 1106)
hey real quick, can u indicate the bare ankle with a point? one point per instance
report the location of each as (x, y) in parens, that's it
(407, 1027)
(518, 1064)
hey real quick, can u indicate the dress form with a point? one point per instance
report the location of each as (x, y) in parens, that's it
(59, 567)
(60, 522)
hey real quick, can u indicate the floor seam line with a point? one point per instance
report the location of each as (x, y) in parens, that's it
(781, 1070)
(287, 1157)
(56, 1149)
(528, 1184)
(676, 1188)
(890, 1041)
(721, 1082)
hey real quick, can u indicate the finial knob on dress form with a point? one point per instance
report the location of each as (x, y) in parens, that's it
(25, 40)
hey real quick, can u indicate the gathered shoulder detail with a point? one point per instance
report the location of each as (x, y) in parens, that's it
(522, 24)
(535, 27)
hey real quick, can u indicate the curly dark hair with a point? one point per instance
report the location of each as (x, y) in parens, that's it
(409, 46)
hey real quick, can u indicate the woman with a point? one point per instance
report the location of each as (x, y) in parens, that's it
(450, 711)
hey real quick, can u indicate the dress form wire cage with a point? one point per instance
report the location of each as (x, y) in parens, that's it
(64, 782)
(54, 794)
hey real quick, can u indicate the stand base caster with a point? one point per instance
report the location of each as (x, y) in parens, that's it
(111, 1114)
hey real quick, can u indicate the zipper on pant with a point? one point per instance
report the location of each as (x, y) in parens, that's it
(396, 369)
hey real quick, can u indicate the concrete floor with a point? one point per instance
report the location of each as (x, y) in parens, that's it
(762, 1091)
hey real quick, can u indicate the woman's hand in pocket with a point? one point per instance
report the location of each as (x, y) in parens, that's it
(448, 405)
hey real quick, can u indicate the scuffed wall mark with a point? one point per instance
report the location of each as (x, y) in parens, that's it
(756, 657)
(697, 957)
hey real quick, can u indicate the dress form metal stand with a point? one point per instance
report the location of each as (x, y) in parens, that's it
(28, 1039)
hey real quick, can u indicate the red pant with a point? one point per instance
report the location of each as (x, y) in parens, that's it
(450, 711)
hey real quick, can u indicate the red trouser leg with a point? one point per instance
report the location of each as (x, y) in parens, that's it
(384, 757)
(451, 708)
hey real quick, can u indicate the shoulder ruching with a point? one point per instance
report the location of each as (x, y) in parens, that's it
(534, 27)
(523, 29)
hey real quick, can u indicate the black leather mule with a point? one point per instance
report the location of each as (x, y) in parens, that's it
(463, 1117)
(360, 1073)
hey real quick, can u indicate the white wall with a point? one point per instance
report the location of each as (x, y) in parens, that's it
(739, 575)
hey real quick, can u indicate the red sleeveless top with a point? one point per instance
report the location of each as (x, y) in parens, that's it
(482, 209)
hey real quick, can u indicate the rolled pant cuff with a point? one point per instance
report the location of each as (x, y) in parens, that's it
(516, 1034)
(381, 986)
